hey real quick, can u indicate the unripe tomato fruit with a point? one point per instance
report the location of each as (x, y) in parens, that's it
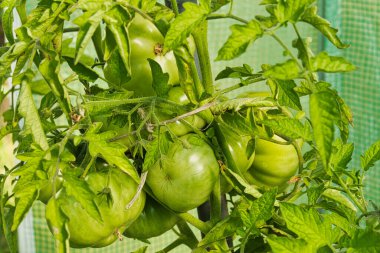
(185, 176)
(145, 42)
(86, 231)
(274, 164)
(153, 221)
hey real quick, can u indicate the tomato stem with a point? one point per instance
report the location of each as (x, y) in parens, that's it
(200, 38)
(174, 6)
(361, 206)
(97, 41)
(202, 226)
(231, 16)
(216, 203)
(187, 235)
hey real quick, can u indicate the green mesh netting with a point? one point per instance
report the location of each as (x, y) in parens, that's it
(359, 25)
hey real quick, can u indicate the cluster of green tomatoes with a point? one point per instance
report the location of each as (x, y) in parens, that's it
(184, 176)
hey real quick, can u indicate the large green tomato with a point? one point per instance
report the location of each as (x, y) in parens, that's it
(177, 95)
(153, 221)
(274, 164)
(185, 176)
(85, 231)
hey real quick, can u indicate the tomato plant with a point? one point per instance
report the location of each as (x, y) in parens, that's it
(138, 114)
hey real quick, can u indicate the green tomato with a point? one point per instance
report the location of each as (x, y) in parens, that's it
(179, 128)
(274, 164)
(153, 221)
(145, 42)
(114, 189)
(185, 176)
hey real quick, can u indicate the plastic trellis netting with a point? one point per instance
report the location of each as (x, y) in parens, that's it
(359, 25)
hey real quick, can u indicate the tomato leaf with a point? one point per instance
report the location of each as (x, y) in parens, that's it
(249, 189)
(185, 24)
(10, 236)
(49, 69)
(237, 43)
(290, 10)
(326, 63)
(343, 223)
(28, 110)
(236, 72)
(79, 189)
(8, 20)
(338, 197)
(286, 244)
(311, 17)
(88, 23)
(364, 240)
(308, 225)
(7, 58)
(160, 79)
(323, 113)
(260, 209)
(239, 103)
(58, 222)
(112, 152)
(114, 71)
(84, 72)
(117, 20)
(370, 156)
(288, 70)
(238, 124)
(304, 51)
(156, 150)
(313, 194)
(290, 127)
(342, 154)
(285, 93)
(221, 230)
(217, 4)
(24, 201)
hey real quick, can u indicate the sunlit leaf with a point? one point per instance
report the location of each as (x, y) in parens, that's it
(28, 110)
(371, 156)
(184, 24)
(79, 189)
(58, 222)
(292, 128)
(241, 36)
(112, 152)
(310, 16)
(285, 93)
(323, 112)
(326, 63)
